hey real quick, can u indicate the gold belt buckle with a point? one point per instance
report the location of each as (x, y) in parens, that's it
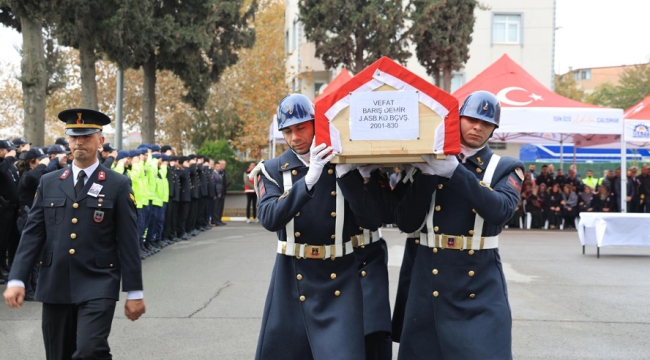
(452, 242)
(314, 252)
(358, 241)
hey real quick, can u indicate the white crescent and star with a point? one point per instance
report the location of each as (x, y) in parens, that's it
(503, 96)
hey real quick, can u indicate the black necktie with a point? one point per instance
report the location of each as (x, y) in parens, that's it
(80, 182)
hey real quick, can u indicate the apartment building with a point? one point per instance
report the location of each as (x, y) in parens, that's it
(588, 79)
(522, 29)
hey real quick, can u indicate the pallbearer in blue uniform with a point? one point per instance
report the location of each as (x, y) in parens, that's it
(457, 306)
(82, 232)
(314, 305)
(372, 257)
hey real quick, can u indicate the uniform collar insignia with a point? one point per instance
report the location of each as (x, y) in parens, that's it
(288, 160)
(478, 159)
(65, 174)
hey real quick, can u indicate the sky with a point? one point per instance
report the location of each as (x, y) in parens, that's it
(590, 33)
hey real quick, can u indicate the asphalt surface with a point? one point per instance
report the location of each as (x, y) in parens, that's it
(205, 299)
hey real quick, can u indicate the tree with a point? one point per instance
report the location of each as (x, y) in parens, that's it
(442, 31)
(33, 77)
(633, 86)
(604, 95)
(222, 150)
(199, 41)
(354, 33)
(80, 24)
(244, 101)
(567, 86)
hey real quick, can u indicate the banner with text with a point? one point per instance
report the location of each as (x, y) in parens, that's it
(384, 115)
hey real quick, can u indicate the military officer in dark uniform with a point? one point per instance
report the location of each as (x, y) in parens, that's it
(457, 306)
(185, 188)
(82, 231)
(195, 188)
(314, 305)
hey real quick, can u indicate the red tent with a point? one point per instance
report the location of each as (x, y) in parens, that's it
(533, 113)
(637, 123)
(336, 83)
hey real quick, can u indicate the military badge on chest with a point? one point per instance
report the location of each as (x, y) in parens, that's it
(98, 216)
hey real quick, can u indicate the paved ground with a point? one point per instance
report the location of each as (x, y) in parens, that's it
(205, 299)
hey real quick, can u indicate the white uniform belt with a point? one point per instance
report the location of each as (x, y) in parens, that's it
(306, 251)
(367, 237)
(459, 242)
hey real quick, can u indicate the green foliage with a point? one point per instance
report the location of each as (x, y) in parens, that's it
(7, 17)
(234, 168)
(202, 41)
(442, 31)
(634, 86)
(603, 95)
(213, 124)
(567, 86)
(354, 33)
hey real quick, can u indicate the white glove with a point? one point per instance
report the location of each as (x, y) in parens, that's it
(319, 156)
(424, 167)
(366, 170)
(342, 169)
(444, 168)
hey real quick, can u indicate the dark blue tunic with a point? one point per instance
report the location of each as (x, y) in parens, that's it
(457, 306)
(324, 325)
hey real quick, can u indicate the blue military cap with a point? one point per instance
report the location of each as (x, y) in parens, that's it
(6, 144)
(155, 147)
(156, 156)
(79, 122)
(35, 153)
(134, 153)
(144, 146)
(57, 149)
(121, 154)
(165, 157)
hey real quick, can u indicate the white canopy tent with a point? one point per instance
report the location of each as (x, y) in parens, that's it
(275, 137)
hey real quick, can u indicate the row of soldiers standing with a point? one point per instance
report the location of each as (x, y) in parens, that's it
(177, 197)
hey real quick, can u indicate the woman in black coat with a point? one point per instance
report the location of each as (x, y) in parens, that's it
(554, 207)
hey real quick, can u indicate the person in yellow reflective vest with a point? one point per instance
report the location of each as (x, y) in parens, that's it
(159, 202)
(590, 180)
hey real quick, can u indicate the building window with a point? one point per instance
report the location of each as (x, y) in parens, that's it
(576, 75)
(293, 85)
(286, 41)
(506, 29)
(457, 80)
(586, 74)
(497, 145)
(293, 37)
(317, 86)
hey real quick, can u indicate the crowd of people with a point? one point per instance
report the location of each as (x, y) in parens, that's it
(177, 197)
(552, 200)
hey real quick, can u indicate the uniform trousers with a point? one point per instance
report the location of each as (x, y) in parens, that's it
(78, 331)
(190, 224)
(217, 212)
(202, 213)
(155, 215)
(169, 225)
(144, 215)
(183, 211)
(9, 235)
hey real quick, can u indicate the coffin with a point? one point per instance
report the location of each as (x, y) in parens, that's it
(387, 115)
